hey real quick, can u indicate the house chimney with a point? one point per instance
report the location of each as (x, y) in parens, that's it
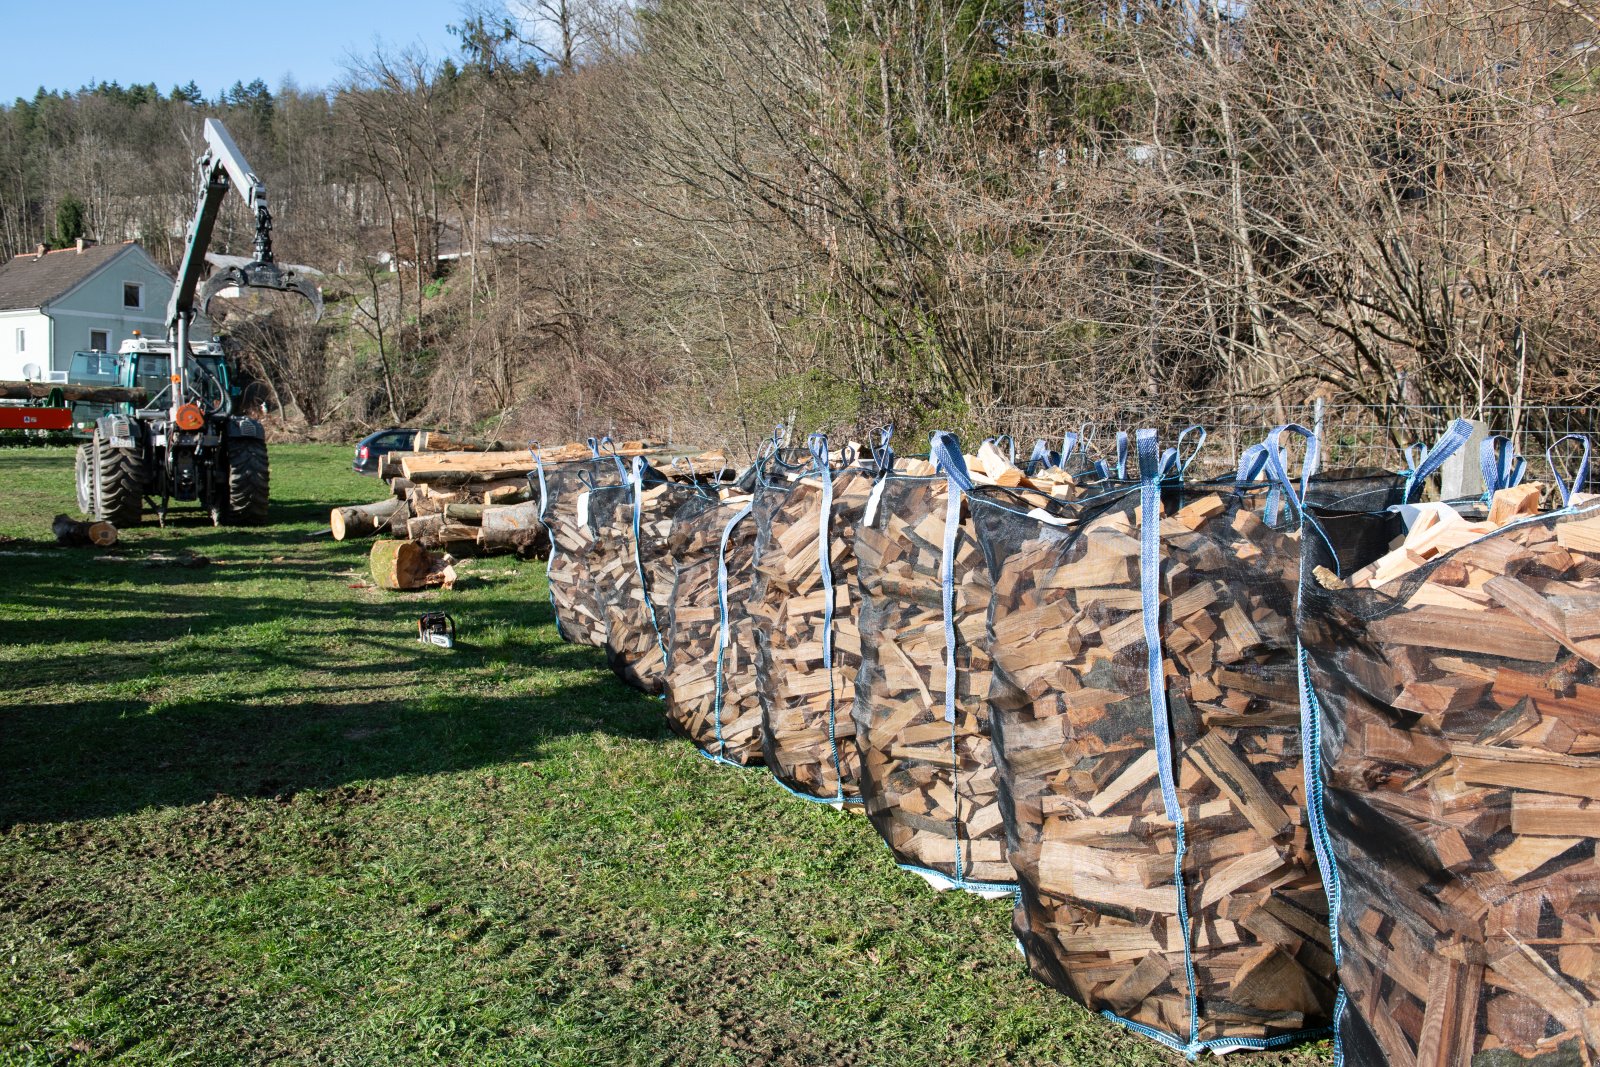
(80, 246)
(39, 250)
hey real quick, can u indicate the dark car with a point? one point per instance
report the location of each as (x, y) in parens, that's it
(373, 447)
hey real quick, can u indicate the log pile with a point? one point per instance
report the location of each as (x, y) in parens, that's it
(711, 683)
(1461, 723)
(808, 735)
(1104, 894)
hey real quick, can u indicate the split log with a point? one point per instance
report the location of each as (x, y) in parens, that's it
(1461, 726)
(1074, 730)
(399, 565)
(400, 487)
(711, 683)
(70, 531)
(364, 520)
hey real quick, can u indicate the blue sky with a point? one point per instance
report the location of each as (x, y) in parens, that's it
(70, 43)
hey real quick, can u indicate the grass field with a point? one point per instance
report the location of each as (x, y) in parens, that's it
(246, 817)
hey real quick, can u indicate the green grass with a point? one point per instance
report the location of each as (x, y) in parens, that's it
(246, 817)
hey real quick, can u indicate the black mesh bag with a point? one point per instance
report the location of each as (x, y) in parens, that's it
(1454, 714)
(631, 565)
(928, 779)
(807, 644)
(564, 490)
(1146, 730)
(710, 636)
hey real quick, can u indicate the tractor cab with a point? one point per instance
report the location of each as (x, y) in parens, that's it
(144, 363)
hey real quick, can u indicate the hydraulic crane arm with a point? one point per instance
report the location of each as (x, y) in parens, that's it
(223, 167)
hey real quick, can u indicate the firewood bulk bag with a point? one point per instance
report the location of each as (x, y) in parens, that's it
(1453, 712)
(807, 645)
(564, 490)
(631, 565)
(1146, 729)
(710, 636)
(927, 771)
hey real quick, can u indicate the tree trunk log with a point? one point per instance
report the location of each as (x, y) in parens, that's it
(70, 531)
(512, 526)
(400, 564)
(363, 520)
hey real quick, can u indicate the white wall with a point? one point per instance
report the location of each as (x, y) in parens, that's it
(37, 341)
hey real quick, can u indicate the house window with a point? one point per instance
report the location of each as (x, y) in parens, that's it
(132, 295)
(22, 340)
(99, 340)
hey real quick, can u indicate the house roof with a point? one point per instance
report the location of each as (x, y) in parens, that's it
(32, 280)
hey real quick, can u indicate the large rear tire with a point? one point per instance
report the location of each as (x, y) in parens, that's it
(118, 484)
(249, 482)
(83, 478)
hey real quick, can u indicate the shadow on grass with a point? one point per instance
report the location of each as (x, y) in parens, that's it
(197, 694)
(93, 759)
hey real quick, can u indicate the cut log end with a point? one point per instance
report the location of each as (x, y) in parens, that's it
(70, 531)
(399, 565)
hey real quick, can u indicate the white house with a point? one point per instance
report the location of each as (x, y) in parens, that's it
(86, 298)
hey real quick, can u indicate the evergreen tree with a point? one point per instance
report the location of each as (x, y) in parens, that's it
(70, 222)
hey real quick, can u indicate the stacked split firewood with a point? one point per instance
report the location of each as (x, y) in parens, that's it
(710, 636)
(807, 646)
(1213, 933)
(1456, 689)
(928, 780)
(631, 564)
(1169, 851)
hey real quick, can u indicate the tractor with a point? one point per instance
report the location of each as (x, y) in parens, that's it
(183, 441)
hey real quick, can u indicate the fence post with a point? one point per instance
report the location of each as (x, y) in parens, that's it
(1461, 477)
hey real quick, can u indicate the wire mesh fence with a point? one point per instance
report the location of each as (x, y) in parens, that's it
(1352, 435)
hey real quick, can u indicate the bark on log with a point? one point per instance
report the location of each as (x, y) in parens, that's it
(437, 441)
(70, 531)
(91, 394)
(425, 527)
(471, 514)
(363, 520)
(511, 525)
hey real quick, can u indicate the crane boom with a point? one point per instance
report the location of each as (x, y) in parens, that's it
(223, 167)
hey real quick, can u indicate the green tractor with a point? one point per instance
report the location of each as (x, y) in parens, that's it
(223, 464)
(180, 440)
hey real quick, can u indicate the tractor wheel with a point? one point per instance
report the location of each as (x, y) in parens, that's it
(118, 484)
(83, 477)
(248, 482)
